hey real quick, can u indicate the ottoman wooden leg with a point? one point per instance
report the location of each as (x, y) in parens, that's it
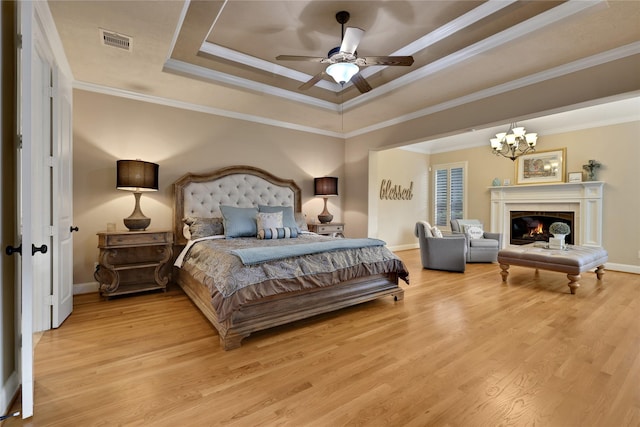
(505, 271)
(600, 272)
(573, 282)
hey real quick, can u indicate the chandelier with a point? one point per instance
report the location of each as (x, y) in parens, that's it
(514, 142)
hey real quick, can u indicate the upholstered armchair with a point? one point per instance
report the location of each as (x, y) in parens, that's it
(482, 246)
(440, 253)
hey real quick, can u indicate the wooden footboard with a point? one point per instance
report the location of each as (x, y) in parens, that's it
(287, 308)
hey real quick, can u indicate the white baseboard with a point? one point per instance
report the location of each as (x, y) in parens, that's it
(85, 288)
(9, 391)
(403, 247)
(625, 268)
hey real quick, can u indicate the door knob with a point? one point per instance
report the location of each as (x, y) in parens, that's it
(11, 250)
(35, 249)
(72, 229)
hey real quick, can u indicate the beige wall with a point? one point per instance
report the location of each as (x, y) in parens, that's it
(616, 147)
(393, 220)
(108, 128)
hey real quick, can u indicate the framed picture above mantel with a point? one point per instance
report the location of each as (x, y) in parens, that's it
(541, 167)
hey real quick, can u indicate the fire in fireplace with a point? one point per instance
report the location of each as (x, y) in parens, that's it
(533, 226)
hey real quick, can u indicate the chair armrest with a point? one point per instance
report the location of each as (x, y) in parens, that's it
(494, 236)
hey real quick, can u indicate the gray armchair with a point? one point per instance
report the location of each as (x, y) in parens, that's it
(484, 249)
(440, 253)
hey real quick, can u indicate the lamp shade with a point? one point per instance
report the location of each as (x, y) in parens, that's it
(325, 186)
(136, 175)
(342, 71)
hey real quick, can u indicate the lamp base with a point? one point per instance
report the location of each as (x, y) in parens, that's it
(325, 218)
(137, 224)
(137, 221)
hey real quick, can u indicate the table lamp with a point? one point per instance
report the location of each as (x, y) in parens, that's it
(325, 186)
(137, 176)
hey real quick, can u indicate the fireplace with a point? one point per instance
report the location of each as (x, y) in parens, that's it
(583, 199)
(533, 226)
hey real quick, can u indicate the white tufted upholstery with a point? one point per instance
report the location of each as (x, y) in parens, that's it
(203, 199)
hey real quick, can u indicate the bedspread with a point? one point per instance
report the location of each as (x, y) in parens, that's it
(231, 283)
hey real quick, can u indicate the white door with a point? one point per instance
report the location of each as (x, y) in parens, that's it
(24, 206)
(37, 177)
(62, 292)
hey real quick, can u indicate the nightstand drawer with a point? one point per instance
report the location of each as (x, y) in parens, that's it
(330, 229)
(134, 239)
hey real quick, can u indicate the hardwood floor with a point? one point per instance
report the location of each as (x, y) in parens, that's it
(459, 350)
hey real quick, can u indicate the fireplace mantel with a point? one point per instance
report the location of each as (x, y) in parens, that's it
(583, 198)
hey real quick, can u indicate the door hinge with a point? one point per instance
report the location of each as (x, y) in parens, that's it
(50, 91)
(50, 161)
(50, 299)
(19, 141)
(19, 41)
(52, 230)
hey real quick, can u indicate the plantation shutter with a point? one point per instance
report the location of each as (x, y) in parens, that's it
(449, 193)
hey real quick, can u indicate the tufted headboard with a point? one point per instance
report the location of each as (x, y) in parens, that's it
(201, 195)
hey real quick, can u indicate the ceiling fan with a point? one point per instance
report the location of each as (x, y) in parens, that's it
(344, 63)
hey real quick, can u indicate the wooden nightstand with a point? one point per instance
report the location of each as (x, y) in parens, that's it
(335, 229)
(133, 261)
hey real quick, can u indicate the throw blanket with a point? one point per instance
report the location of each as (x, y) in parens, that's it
(251, 256)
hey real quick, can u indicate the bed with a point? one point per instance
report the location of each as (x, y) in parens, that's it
(225, 272)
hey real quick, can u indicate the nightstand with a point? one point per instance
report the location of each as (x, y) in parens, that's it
(335, 229)
(133, 261)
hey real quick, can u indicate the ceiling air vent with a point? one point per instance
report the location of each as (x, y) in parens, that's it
(113, 39)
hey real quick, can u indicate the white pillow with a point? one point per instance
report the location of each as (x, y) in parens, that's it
(436, 232)
(474, 231)
(267, 220)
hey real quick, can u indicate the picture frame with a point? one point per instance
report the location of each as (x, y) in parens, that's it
(575, 177)
(541, 167)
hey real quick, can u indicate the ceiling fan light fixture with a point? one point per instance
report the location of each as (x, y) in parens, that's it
(342, 71)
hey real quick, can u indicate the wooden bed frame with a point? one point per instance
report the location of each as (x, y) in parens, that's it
(278, 309)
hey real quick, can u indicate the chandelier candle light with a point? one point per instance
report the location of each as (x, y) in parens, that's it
(514, 142)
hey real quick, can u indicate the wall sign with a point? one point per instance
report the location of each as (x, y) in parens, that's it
(388, 191)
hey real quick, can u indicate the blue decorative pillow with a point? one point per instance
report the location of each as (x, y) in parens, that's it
(288, 217)
(239, 222)
(278, 233)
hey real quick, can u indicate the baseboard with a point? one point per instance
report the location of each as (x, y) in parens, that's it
(625, 268)
(85, 288)
(403, 247)
(9, 392)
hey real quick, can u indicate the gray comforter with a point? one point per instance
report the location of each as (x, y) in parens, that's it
(231, 283)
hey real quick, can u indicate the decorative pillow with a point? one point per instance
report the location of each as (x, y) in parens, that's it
(269, 220)
(239, 222)
(436, 232)
(203, 227)
(288, 218)
(278, 233)
(474, 231)
(301, 221)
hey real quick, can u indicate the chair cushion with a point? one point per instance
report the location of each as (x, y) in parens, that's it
(483, 243)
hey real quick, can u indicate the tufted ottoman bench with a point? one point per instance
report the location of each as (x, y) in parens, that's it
(572, 261)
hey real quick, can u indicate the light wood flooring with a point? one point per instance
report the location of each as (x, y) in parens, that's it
(459, 350)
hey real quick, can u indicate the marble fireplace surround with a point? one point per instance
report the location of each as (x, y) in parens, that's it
(584, 199)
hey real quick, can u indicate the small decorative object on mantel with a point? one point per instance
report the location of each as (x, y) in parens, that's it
(496, 182)
(591, 169)
(559, 230)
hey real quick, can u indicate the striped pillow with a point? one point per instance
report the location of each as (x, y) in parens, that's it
(278, 233)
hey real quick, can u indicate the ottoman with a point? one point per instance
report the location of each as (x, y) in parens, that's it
(573, 261)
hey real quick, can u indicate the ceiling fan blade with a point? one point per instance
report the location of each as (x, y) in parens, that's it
(388, 60)
(360, 83)
(315, 79)
(299, 58)
(351, 40)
